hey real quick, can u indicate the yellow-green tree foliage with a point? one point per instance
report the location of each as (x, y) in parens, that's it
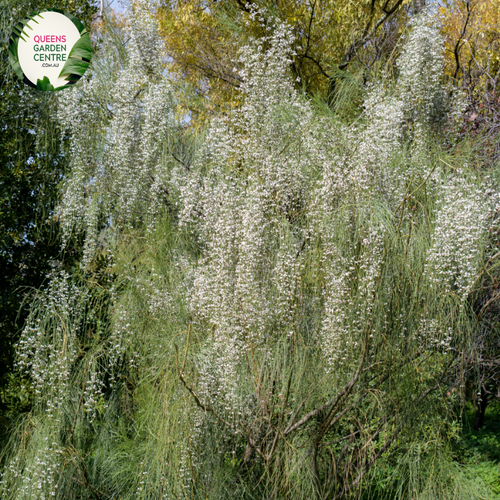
(203, 39)
(471, 31)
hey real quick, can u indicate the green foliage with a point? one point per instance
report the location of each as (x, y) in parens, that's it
(479, 450)
(32, 162)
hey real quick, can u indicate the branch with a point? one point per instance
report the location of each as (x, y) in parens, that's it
(205, 408)
(384, 448)
(210, 409)
(459, 45)
(368, 34)
(333, 402)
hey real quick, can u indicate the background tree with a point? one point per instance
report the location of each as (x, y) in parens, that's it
(203, 40)
(472, 38)
(471, 30)
(33, 160)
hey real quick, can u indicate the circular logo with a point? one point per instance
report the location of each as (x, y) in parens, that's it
(50, 50)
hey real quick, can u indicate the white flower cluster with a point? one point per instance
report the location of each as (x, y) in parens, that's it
(363, 171)
(48, 347)
(160, 299)
(245, 285)
(432, 336)
(38, 478)
(460, 235)
(271, 161)
(119, 126)
(348, 311)
(420, 80)
(364, 167)
(93, 395)
(48, 344)
(120, 339)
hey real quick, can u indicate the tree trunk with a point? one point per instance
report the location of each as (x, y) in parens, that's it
(481, 410)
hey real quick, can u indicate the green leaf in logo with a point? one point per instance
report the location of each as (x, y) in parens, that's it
(14, 57)
(78, 59)
(44, 84)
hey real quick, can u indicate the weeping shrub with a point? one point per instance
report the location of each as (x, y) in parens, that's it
(270, 310)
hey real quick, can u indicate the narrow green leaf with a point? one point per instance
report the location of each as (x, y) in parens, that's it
(14, 57)
(75, 21)
(19, 33)
(63, 86)
(32, 18)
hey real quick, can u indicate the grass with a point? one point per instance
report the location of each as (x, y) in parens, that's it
(479, 451)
